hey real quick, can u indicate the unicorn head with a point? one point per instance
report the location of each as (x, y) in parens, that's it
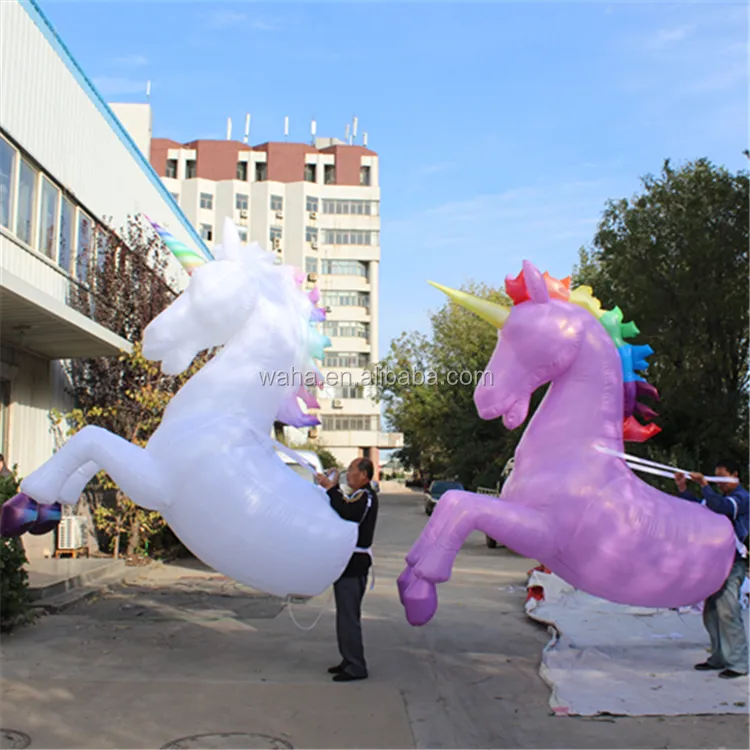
(539, 339)
(242, 295)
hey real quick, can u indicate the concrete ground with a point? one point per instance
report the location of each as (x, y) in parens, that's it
(182, 652)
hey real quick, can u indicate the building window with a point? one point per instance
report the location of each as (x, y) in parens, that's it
(350, 237)
(275, 233)
(277, 203)
(329, 174)
(333, 206)
(26, 202)
(347, 329)
(261, 171)
(311, 265)
(171, 170)
(242, 171)
(4, 416)
(367, 422)
(50, 198)
(7, 179)
(85, 247)
(364, 175)
(65, 246)
(311, 234)
(241, 201)
(310, 172)
(348, 391)
(191, 169)
(242, 231)
(311, 203)
(207, 201)
(176, 197)
(207, 232)
(344, 268)
(346, 299)
(346, 359)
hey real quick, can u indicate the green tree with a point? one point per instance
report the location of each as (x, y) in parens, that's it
(428, 386)
(675, 259)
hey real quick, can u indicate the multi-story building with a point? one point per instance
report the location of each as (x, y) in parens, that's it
(69, 175)
(317, 206)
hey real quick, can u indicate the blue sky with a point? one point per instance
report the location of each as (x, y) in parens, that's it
(502, 127)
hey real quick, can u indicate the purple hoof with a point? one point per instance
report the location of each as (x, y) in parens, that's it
(403, 582)
(420, 602)
(48, 518)
(18, 515)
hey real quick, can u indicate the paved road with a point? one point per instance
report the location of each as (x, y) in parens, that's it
(182, 651)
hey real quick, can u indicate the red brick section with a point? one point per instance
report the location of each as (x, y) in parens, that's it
(159, 148)
(286, 161)
(348, 162)
(217, 160)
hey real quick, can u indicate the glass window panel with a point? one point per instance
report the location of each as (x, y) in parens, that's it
(65, 247)
(50, 198)
(26, 196)
(7, 180)
(85, 247)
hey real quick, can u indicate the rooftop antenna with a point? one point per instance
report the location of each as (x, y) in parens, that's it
(364, 139)
(247, 128)
(286, 127)
(229, 128)
(148, 91)
(347, 137)
(354, 128)
(313, 130)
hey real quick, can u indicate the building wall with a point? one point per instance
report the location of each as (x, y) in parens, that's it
(57, 122)
(50, 108)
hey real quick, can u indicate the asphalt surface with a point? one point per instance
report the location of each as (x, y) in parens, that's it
(182, 657)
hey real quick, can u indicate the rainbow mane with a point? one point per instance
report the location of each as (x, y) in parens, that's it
(632, 357)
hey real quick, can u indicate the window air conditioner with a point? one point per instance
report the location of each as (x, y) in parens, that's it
(313, 432)
(336, 404)
(276, 243)
(279, 214)
(314, 245)
(312, 277)
(243, 213)
(313, 215)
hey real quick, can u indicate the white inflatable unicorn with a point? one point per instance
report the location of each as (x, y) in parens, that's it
(210, 468)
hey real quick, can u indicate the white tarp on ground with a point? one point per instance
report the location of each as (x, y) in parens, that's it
(607, 658)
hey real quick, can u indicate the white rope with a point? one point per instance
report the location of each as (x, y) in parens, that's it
(317, 619)
(667, 471)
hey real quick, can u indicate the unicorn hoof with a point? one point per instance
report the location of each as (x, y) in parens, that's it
(18, 515)
(403, 582)
(48, 518)
(420, 602)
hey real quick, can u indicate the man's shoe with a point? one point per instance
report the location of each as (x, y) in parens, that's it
(348, 677)
(338, 669)
(705, 667)
(730, 674)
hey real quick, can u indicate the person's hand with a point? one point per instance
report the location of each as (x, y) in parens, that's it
(681, 481)
(326, 482)
(696, 476)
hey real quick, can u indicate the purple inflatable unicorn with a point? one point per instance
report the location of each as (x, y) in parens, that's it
(580, 512)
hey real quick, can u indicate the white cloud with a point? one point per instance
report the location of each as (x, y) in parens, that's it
(220, 20)
(668, 36)
(132, 61)
(117, 86)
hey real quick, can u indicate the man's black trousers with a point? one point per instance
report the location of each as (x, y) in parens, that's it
(349, 592)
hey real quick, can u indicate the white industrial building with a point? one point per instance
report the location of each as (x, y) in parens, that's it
(68, 167)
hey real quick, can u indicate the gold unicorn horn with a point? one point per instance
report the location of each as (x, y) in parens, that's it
(486, 310)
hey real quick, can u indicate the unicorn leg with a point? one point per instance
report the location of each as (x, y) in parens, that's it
(76, 484)
(93, 448)
(458, 514)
